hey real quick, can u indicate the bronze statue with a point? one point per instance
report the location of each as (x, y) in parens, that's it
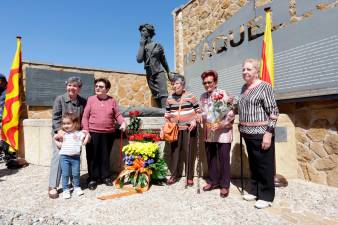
(155, 64)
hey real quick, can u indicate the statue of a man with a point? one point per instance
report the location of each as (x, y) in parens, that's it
(155, 64)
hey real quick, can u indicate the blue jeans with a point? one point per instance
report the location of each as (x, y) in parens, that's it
(70, 166)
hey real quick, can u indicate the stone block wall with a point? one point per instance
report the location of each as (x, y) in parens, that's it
(129, 89)
(316, 138)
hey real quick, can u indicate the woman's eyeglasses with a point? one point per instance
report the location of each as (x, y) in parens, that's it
(99, 86)
(207, 82)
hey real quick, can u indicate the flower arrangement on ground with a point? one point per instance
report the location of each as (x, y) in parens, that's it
(143, 161)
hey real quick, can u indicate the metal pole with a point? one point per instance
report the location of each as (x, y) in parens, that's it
(121, 154)
(198, 159)
(241, 146)
(187, 164)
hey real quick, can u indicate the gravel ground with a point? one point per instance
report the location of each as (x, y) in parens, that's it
(24, 200)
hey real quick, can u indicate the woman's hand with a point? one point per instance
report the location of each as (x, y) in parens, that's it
(192, 125)
(59, 136)
(199, 118)
(87, 138)
(215, 126)
(170, 118)
(143, 41)
(232, 100)
(123, 127)
(266, 142)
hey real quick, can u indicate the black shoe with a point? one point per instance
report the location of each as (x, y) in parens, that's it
(92, 185)
(108, 182)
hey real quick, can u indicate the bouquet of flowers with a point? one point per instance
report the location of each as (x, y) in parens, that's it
(217, 109)
(135, 122)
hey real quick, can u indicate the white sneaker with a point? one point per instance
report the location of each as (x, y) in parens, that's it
(261, 204)
(249, 197)
(78, 191)
(66, 194)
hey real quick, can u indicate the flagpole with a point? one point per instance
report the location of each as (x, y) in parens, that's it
(267, 74)
(12, 107)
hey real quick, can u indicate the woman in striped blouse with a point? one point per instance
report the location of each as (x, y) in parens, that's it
(258, 115)
(186, 118)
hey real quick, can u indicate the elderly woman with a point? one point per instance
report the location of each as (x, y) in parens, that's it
(183, 107)
(99, 119)
(258, 131)
(68, 102)
(218, 134)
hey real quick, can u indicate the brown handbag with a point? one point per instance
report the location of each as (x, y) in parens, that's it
(170, 132)
(170, 129)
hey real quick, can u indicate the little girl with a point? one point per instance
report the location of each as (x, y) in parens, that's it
(70, 150)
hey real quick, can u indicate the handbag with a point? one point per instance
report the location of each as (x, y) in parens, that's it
(170, 132)
(170, 129)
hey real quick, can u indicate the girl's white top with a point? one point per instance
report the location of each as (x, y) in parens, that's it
(72, 143)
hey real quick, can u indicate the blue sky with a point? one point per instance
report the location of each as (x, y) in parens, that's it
(100, 34)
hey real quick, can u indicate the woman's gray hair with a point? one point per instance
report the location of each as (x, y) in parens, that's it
(180, 78)
(74, 80)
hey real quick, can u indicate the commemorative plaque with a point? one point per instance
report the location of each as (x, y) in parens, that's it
(43, 85)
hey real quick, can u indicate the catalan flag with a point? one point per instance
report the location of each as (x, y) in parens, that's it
(11, 113)
(267, 61)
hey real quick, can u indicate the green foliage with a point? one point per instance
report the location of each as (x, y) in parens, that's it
(135, 124)
(142, 180)
(121, 182)
(159, 169)
(132, 179)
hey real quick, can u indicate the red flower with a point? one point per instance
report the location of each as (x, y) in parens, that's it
(138, 137)
(136, 113)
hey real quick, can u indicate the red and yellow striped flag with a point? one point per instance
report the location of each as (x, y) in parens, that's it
(267, 62)
(11, 113)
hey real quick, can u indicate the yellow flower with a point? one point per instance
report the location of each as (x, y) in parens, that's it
(146, 149)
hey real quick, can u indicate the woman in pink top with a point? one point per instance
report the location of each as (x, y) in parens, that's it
(99, 117)
(218, 134)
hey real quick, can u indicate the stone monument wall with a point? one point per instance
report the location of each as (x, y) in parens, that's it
(315, 121)
(316, 139)
(129, 89)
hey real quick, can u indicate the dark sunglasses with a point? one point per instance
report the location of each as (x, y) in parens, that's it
(207, 82)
